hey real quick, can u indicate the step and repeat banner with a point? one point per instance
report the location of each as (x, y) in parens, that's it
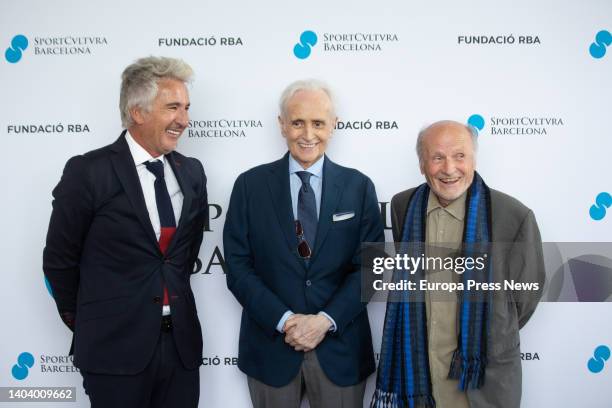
(534, 77)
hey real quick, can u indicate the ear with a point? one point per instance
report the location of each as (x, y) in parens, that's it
(281, 125)
(422, 168)
(137, 115)
(334, 123)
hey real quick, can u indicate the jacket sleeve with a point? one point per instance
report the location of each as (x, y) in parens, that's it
(396, 228)
(346, 304)
(70, 221)
(526, 265)
(258, 301)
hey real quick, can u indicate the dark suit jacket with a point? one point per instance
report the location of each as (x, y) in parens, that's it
(105, 265)
(268, 278)
(517, 254)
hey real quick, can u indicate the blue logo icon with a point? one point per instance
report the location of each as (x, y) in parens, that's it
(308, 39)
(24, 362)
(19, 44)
(602, 40)
(598, 210)
(600, 356)
(48, 285)
(477, 122)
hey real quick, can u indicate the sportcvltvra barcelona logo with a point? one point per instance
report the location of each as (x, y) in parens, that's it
(603, 201)
(477, 122)
(603, 39)
(597, 363)
(25, 361)
(19, 44)
(308, 39)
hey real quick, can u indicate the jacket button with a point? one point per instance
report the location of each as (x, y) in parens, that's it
(156, 299)
(308, 282)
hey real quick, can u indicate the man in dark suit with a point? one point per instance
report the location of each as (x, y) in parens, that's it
(124, 237)
(467, 363)
(292, 239)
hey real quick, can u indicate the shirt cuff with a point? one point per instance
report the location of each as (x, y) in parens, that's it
(333, 327)
(281, 322)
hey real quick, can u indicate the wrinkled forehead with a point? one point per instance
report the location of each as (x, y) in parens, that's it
(448, 139)
(171, 86)
(311, 101)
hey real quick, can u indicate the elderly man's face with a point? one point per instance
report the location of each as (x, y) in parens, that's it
(160, 129)
(448, 161)
(307, 125)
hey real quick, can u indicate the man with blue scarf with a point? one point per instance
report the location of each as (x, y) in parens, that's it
(464, 352)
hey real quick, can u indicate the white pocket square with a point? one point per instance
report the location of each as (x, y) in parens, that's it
(343, 216)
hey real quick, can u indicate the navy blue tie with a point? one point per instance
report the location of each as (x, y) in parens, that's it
(164, 209)
(162, 197)
(307, 208)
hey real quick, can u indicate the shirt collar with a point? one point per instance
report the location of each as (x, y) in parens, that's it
(139, 154)
(456, 208)
(316, 169)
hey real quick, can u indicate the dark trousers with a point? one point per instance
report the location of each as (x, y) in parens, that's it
(163, 383)
(312, 381)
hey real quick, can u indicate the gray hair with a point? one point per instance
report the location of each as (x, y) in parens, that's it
(305, 85)
(468, 128)
(139, 83)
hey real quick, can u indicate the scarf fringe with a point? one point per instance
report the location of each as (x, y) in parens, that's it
(386, 399)
(470, 372)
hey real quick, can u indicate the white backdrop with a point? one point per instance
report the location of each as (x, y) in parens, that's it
(404, 63)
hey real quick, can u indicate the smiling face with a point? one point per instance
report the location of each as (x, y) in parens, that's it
(448, 160)
(307, 124)
(159, 129)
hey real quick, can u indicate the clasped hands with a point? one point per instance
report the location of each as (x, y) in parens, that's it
(305, 332)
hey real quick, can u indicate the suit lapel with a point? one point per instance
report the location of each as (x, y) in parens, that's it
(123, 163)
(184, 183)
(278, 182)
(330, 196)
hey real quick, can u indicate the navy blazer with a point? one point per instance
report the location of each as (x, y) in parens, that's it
(268, 277)
(105, 266)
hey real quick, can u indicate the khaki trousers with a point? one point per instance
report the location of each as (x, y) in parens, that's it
(312, 381)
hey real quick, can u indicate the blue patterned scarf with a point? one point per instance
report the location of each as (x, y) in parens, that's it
(403, 374)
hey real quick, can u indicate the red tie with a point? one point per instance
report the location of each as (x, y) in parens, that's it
(164, 240)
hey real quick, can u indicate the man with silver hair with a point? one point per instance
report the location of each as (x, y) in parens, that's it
(292, 240)
(123, 240)
(463, 351)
